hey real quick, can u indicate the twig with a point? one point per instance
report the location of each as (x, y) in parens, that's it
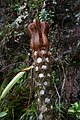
(59, 97)
(63, 84)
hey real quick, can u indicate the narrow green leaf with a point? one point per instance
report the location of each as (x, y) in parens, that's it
(11, 84)
(78, 111)
(71, 111)
(2, 114)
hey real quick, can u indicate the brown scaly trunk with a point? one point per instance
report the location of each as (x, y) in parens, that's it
(42, 60)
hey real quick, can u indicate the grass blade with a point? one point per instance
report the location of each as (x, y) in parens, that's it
(11, 84)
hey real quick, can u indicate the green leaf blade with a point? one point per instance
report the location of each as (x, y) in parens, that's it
(2, 114)
(11, 84)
